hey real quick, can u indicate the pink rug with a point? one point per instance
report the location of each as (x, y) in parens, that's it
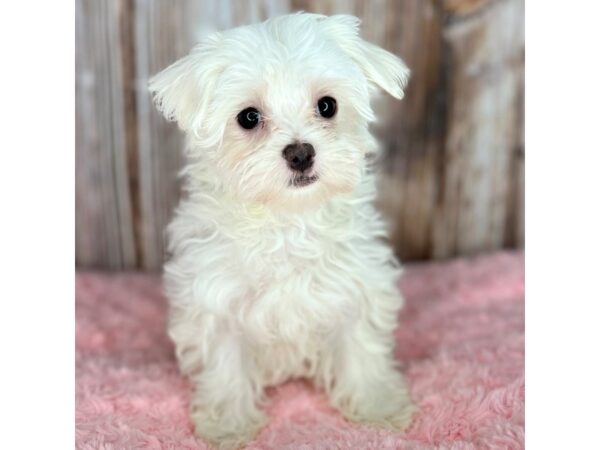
(461, 339)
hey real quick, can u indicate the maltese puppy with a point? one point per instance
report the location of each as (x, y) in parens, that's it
(279, 267)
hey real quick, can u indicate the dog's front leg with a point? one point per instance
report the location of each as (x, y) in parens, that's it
(225, 403)
(366, 385)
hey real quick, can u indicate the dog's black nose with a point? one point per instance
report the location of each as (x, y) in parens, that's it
(299, 156)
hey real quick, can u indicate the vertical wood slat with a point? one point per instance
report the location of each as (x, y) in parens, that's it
(104, 233)
(485, 49)
(415, 128)
(160, 143)
(451, 187)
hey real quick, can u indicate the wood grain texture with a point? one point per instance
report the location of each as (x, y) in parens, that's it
(485, 54)
(454, 152)
(104, 233)
(160, 142)
(450, 188)
(414, 129)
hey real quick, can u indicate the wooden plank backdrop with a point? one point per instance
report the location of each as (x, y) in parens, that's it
(453, 179)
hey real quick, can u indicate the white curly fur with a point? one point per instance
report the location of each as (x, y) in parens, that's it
(268, 281)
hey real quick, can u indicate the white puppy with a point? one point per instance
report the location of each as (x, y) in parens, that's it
(279, 267)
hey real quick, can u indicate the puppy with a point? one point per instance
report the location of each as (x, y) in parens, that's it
(278, 264)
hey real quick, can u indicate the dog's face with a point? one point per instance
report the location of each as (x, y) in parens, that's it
(281, 109)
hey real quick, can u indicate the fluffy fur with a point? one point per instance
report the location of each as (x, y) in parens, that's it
(268, 281)
(460, 340)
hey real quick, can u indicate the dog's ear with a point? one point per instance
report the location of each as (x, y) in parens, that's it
(183, 91)
(380, 67)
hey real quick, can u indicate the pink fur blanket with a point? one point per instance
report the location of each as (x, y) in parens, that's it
(461, 340)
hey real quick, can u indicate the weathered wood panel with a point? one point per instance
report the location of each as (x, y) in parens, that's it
(484, 47)
(104, 234)
(160, 142)
(453, 169)
(414, 129)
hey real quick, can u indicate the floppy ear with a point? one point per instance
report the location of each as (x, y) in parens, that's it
(183, 91)
(381, 67)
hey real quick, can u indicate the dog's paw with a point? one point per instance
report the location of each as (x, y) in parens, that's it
(388, 407)
(227, 432)
(395, 419)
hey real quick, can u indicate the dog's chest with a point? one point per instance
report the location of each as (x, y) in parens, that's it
(303, 254)
(303, 282)
(302, 295)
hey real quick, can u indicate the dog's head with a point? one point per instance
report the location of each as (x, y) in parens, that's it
(281, 109)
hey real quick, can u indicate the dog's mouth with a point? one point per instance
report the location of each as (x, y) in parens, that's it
(303, 180)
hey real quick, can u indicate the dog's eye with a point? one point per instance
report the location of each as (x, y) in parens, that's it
(327, 107)
(249, 118)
